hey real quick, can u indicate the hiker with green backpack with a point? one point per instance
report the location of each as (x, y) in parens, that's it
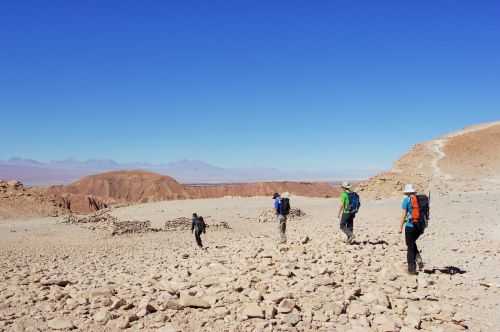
(414, 219)
(349, 206)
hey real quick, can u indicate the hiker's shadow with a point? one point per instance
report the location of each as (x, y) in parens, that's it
(451, 270)
(373, 243)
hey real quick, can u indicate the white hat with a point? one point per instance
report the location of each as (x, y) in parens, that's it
(409, 189)
(285, 195)
(346, 185)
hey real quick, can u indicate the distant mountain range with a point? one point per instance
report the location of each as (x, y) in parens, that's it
(33, 172)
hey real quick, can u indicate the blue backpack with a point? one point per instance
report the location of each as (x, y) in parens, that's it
(354, 202)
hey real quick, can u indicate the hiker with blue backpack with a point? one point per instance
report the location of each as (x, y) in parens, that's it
(349, 206)
(414, 220)
(282, 209)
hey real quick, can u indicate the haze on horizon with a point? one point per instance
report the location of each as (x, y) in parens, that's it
(328, 85)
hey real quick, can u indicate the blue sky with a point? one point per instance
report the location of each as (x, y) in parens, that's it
(287, 84)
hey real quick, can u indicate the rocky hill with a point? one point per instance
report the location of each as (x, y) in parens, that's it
(126, 186)
(18, 201)
(467, 160)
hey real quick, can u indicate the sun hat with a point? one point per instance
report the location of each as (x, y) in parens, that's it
(409, 189)
(286, 194)
(276, 195)
(346, 185)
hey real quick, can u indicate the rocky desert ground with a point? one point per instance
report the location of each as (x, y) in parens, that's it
(137, 267)
(57, 276)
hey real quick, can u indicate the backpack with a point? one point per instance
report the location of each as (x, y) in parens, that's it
(420, 208)
(354, 202)
(285, 206)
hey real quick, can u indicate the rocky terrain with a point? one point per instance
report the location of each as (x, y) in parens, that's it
(58, 276)
(16, 201)
(467, 160)
(104, 223)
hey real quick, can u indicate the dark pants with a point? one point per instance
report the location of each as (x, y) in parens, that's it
(197, 235)
(347, 224)
(282, 227)
(411, 235)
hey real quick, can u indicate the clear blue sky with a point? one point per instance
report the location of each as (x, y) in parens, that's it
(287, 84)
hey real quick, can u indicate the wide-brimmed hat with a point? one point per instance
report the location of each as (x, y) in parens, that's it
(346, 185)
(276, 195)
(285, 194)
(409, 189)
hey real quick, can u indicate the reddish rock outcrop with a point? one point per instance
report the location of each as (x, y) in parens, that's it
(308, 189)
(97, 191)
(19, 201)
(126, 186)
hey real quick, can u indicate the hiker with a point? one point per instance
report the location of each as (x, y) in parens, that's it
(282, 209)
(349, 206)
(414, 219)
(198, 226)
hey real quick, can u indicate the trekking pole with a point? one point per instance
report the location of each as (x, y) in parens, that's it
(429, 217)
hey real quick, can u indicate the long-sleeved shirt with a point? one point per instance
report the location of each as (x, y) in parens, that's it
(277, 205)
(198, 224)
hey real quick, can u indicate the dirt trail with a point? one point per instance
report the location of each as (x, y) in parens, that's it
(437, 148)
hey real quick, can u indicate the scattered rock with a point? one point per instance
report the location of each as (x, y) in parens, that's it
(55, 282)
(173, 305)
(253, 310)
(102, 292)
(292, 318)
(60, 324)
(123, 322)
(269, 215)
(117, 304)
(145, 307)
(103, 221)
(276, 297)
(270, 311)
(168, 328)
(184, 224)
(102, 316)
(286, 306)
(357, 310)
(193, 301)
